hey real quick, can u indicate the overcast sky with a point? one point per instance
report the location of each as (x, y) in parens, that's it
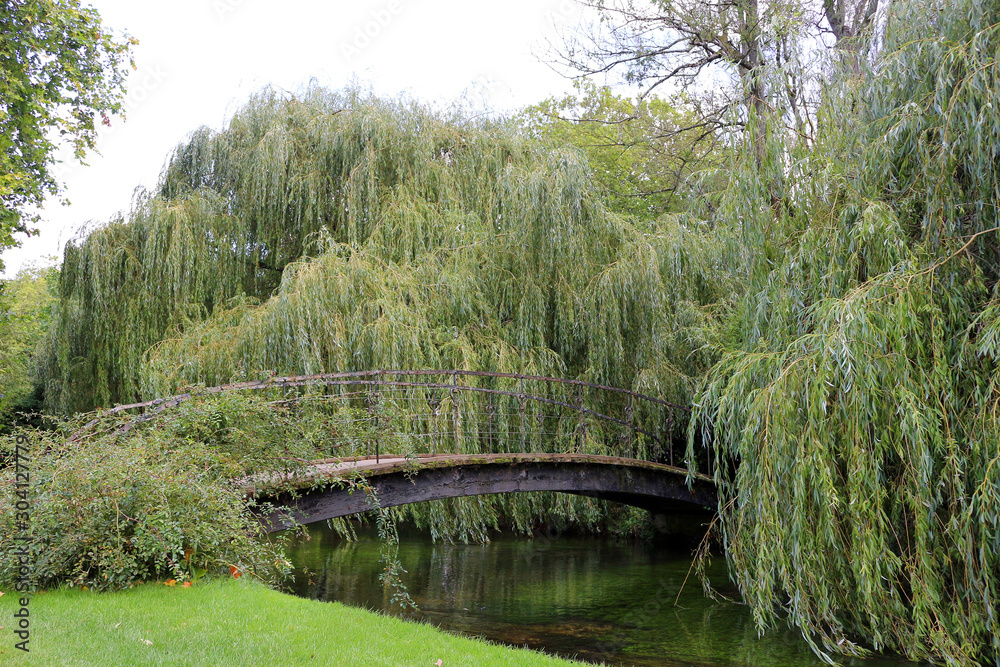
(198, 60)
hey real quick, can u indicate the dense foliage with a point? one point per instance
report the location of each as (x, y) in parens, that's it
(827, 302)
(26, 308)
(337, 232)
(854, 407)
(642, 154)
(120, 498)
(59, 68)
(106, 512)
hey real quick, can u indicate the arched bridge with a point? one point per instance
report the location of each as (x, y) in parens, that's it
(329, 489)
(503, 433)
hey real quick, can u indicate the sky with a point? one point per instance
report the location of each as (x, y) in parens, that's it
(199, 60)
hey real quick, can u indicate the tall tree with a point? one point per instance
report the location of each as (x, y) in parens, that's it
(855, 408)
(337, 231)
(739, 59)
(435, 241)
(26, 306)
(641, 153)
(59, 70)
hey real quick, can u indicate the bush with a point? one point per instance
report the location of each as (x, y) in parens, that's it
(107, 514)
(163, 501)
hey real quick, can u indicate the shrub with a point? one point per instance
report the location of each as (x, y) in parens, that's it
(163, 501)
(106, 514)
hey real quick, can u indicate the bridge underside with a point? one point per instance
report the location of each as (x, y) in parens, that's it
(657, 488)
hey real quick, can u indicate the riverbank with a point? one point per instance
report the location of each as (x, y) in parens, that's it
(231, 622)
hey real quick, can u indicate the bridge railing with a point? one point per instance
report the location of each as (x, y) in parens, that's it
(468, 412)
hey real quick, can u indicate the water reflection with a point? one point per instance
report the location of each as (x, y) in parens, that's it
(587, 598)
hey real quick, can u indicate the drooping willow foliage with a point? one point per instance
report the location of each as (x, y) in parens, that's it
(343, 232)
(846, 286)
(336, 232)
(855, 417)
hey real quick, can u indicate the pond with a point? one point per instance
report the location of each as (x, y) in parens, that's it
(590, 598)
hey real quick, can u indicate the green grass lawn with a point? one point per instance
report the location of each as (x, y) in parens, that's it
(231, 622)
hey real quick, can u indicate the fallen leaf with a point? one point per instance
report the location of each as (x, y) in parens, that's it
(186, 584)
(170, 582)
(235, 572)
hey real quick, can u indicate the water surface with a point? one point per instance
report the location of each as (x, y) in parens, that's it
(588, 598)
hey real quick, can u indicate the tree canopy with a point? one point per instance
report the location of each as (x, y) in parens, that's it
(335, 231)
(854, 407)
(641, 152)
(26, 307)
(59, 70)
(829, 311)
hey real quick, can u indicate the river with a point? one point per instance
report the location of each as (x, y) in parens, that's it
(590, 598)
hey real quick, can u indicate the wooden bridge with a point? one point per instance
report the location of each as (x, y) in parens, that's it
(393, 481)
(417, 435)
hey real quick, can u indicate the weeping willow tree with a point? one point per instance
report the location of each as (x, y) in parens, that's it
(842, 291)
(336, 232)
(855, 407)
(341, 232)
